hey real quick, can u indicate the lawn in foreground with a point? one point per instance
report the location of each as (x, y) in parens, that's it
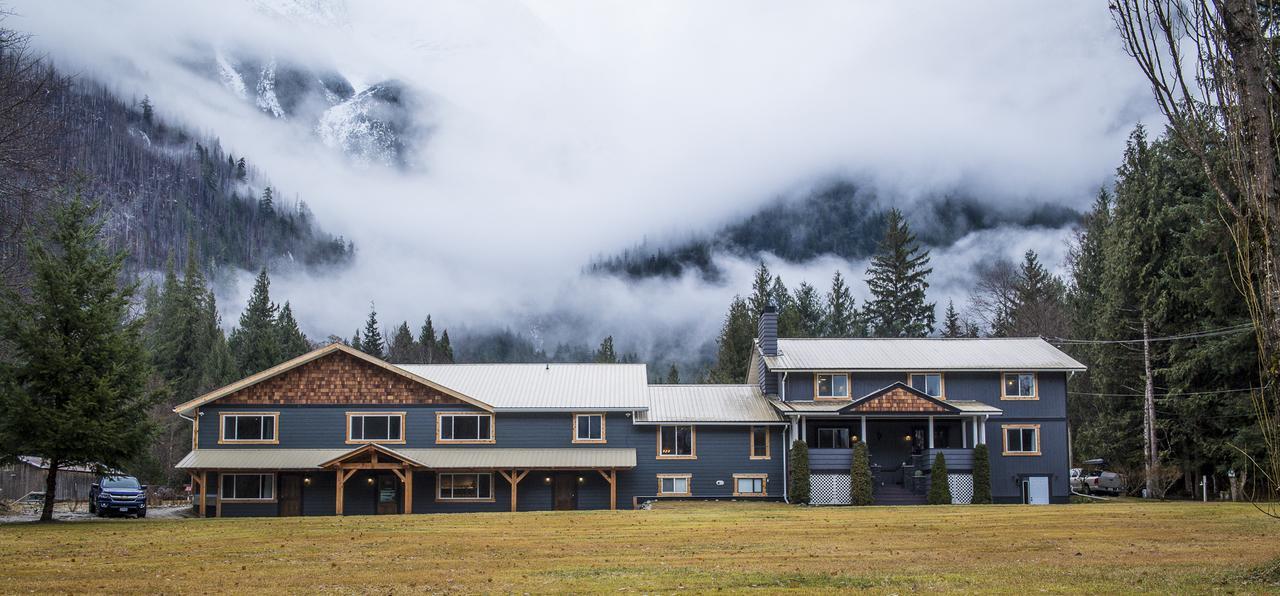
(1114, 547)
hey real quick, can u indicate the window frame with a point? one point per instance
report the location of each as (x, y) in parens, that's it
(693, 442)
(440, 498)
(1004, 439)
(440, 440)
(848, 386)
(222, 485)
(848, 436)
(603, 437)
(1035, 386)
(764, 485)
(942, 383)
(401, 441)
(688, 485)
(222, 428)
(768, 443)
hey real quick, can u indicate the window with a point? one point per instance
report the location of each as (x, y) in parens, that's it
(928, 383)
(249, 427)
(831, 386)
(381, 427)
(1021, 439)
(749, 485)
(760, 442)
(588, 428)
(833, 438)
(674, 485)
(1019, 386)
(463, 427)
(464, 487)
(677, 442)
(247, 487)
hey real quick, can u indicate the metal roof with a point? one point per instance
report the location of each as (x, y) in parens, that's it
(893, 354)
(544, 386)
(707, 404)
(441, 459)
(974, 407)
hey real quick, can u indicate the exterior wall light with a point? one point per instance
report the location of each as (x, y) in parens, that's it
(546, 480)
(581, 479)
(306, 480)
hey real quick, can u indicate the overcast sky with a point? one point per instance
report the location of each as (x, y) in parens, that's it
(565, 130)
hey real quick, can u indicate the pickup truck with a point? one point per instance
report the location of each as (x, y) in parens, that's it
(1094, 478)
(118, 494)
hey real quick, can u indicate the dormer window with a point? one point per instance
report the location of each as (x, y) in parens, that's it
(928, 383)
(831, 386)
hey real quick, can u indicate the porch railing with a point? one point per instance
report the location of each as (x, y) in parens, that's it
(957, 459)
(841, 459)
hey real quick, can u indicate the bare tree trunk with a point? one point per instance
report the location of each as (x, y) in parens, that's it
(1149, 414)
(50, 490)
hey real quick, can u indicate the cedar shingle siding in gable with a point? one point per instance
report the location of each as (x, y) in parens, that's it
(897, 400)
(338, 379)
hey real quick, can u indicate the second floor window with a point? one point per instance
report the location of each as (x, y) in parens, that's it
(249, 427)
(463, 427)
(373, 427)
(1019, 386)
(831, 386)
(588, 428)
(928, 383)
(676, 442)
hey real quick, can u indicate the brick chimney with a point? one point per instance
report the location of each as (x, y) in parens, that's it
(767, 331)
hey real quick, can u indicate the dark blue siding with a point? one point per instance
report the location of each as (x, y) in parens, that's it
(722, 452)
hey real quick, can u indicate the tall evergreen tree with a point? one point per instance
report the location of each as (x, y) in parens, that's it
(373, 344)
(427, 342)
(736, 340)
(292, 341)
(842, 317)
(1040, 309)
(606, 353)
(74, 390)
(241, 173)
(444, 349)
(951, 326)
(266, 204)
(403, 348)
(356, 342)
(761, 292)
(898, 280)
(811, 316)
(255, 343)
(148, 110)
(789, 322)
(673, 375)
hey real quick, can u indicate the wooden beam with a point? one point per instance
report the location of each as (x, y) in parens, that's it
(408, 489)
(514, 479)
(611, 476)
(399, 472)
(218, 497)
(204, 492)
(372, 466)
(342, 479)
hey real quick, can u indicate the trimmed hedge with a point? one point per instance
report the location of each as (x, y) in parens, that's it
(981, 475)
(939, 489)
(799, 492)
(860, 476)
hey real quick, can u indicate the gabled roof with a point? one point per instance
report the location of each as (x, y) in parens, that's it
(899, 397)
(316, 354)
(566, 387)
(369, 448)
(708, 404)
(924, 354)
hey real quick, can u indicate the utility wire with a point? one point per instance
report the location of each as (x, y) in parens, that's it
(1163, 394)
(1193, 335)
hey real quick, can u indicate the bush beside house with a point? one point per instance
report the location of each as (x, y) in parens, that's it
(939, 489)
(860, 476)
(799, 473)
(981, 475)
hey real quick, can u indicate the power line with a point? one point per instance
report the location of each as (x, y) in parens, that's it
(1249, 389)
(1193, 335)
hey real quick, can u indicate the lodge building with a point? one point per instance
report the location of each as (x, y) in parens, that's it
(338, 432)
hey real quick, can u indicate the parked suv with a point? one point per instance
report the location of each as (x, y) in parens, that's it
(118, 494)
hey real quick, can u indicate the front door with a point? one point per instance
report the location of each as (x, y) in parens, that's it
(290, 495)
(1035, 490)
(566, 492)
(388, 494)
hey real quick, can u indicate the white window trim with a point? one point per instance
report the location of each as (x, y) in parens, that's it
(764, 485)
(688, 485)
(603, 437)
(222, 479)
(222, 428)
(443, 499)
(693, 442)
(848, 387)
(440, 416)
(942, 383)
(1035, 387)
(353, 441)
(1004, 439)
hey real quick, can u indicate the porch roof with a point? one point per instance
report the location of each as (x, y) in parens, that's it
(795, 408)
(453, 458)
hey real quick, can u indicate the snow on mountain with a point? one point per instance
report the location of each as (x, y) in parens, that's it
(231, 79)
(369, 126)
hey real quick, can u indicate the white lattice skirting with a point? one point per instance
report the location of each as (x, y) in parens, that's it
(829, 489)
(961, 488)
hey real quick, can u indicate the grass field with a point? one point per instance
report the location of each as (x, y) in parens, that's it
(1107, 548)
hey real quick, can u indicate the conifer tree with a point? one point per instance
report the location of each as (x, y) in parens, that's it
(939, 488)
(427, 342)
(1040, 307)
(798, 492)
(606, 353)
(860, 482)
(255, 343)
(356, 342)
(981, 474)
(842, 319)
(403, 349)
(292, 341)
(736, 340)
(673, 375)
(148, 111)
(75, 382)
(265, 204)
(373, 344)
(444, 349)
(898, 280)
(761, 292)
(788, 317)
(241, 173)
(810, 314)
(951, 326)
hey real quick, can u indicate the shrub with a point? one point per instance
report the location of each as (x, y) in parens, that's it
(860, 476)
(981, 474)
(799, 473)
(939, 490)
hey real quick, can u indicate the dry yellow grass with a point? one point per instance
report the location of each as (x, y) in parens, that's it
(1100, 548)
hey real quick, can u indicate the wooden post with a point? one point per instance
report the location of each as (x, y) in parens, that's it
(611, 476)
(408, 489)
(930, 443)
(513, 479)
(204, 492)
(337, 506)
(218, 498)
(864, 430)
(964, 434)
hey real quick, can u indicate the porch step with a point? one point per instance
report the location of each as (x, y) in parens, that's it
(896, 495)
